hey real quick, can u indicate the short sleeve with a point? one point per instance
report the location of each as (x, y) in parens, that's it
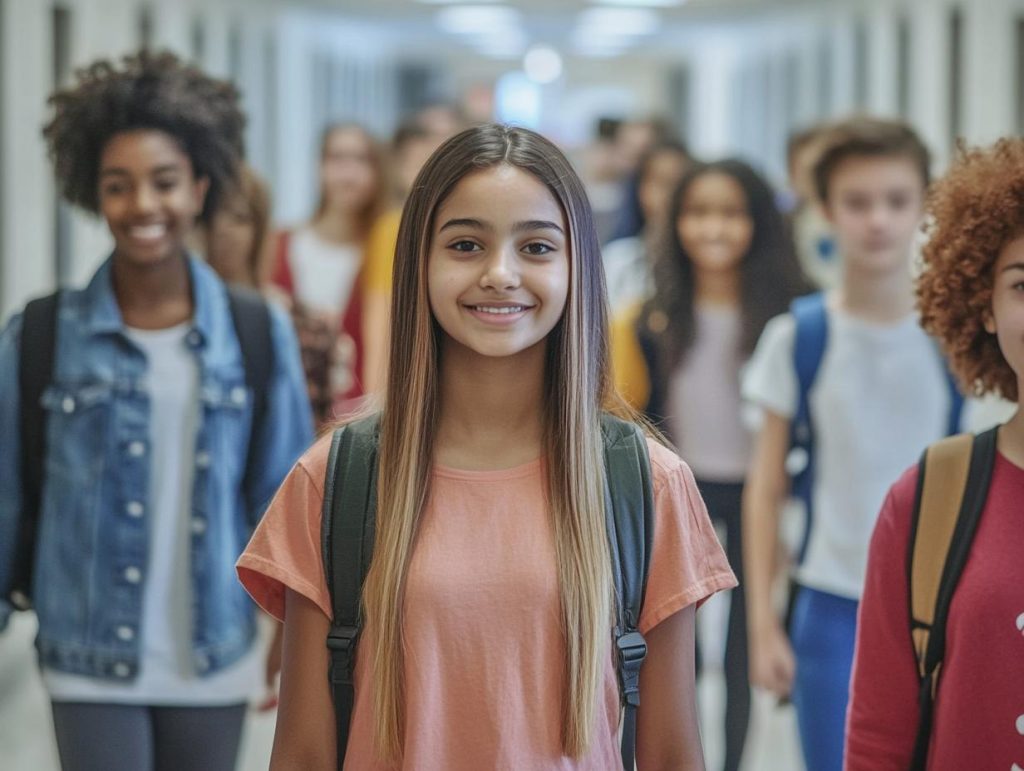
(688, 564)
(769, 379)
(284, 551)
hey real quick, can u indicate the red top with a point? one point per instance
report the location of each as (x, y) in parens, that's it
(979, 711)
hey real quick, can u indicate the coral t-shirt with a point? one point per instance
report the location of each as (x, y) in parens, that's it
(484, 648)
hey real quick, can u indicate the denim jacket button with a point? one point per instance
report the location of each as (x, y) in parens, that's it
(135, 509)
(68, 404)
(192, 338)
(136, 449)
(198, 526)
(132, 574)
(238, 395)
(125, 633)
(203, 459)
(202, 663)
(121, 669)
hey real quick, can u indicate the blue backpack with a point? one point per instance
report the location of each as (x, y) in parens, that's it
(811, 318)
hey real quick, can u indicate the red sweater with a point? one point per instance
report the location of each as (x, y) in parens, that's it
(979, 711)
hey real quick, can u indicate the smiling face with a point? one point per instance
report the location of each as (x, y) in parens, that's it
(149, 195)
(1007, 315)
(714, 224)
(498, 264)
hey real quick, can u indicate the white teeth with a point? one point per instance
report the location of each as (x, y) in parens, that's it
(500, 310)
(148, 232)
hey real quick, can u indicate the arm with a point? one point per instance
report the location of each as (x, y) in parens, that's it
(771, 660)
(304, 739)
(883, 713)
(288, 423)
(10, 456)
(668, 736)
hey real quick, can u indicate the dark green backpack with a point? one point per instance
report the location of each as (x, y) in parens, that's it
(348, 527)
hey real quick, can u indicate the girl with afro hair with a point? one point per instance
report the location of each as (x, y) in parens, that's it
(971, 297)
(159, 453)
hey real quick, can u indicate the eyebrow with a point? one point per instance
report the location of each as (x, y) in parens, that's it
(119, 172)
(519, 227)
(1013, 266)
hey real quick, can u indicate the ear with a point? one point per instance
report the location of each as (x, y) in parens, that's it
(199, 191)
(989, 322)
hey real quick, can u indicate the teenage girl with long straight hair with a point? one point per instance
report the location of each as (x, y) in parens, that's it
(724, 266)
(319, 267)
(488, 605)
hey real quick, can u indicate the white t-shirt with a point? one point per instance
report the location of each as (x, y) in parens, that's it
(627, 273)
(880, 397)
(323, 273)
(166, 674)
(704, 407)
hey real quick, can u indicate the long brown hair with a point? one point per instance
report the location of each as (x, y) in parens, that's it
(577, 385)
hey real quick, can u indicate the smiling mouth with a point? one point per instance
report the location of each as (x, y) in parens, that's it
(499, 310)
(152, 232)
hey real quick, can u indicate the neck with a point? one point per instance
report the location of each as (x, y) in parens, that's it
(877, 296)
(1011, 437)
(153, 296)
(335, 226)
(718, 287)
(490, 416)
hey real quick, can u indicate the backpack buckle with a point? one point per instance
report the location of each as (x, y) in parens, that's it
(631, 650)
(341, 642)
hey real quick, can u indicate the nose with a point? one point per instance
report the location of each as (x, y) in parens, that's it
(501, 270)
(145, 199)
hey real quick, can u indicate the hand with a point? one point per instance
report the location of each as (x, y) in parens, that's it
(272, 669)
(772, 664)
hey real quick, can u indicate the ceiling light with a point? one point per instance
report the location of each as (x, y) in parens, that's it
(542, 64)
(475, 19)
(617, 21)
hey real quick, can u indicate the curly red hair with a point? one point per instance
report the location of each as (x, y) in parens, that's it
(976, 209)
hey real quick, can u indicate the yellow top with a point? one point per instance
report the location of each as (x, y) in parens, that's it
(629, 370)
(379, 264)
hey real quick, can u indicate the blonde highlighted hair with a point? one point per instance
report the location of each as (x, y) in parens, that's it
(577, 386)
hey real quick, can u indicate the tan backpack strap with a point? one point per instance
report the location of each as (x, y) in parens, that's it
(942, 480)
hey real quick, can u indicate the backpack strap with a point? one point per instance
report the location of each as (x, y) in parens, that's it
(811, 317)
(629, 520)
(347, 537)
(251, 317)
(36, 356)
(347, 540)
(952, 487)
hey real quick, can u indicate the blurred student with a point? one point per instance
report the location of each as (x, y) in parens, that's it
(971, 296)
(812, 234)
(850, 383)
(150, 451)
(725, 267)
(628, 262)
(318, 265)
(236, 240)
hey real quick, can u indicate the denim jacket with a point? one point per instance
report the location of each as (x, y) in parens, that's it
(93, 536)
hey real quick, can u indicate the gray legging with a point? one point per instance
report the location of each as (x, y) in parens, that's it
(111, 737)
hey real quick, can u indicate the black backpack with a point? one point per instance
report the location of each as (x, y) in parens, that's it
(251, 318)
(348, 527)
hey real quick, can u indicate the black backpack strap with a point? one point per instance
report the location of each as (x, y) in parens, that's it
(347, 537)
(35, 372)
(251, 317)
(629, 517)
(979, 475)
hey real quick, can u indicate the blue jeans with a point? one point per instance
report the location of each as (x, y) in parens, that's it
(823, 630)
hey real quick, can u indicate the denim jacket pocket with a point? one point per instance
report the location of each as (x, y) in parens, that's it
(226, 415)
(79, 419)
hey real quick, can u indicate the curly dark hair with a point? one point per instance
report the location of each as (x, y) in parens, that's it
(148, 91)
(770, 274)
(975, 210)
